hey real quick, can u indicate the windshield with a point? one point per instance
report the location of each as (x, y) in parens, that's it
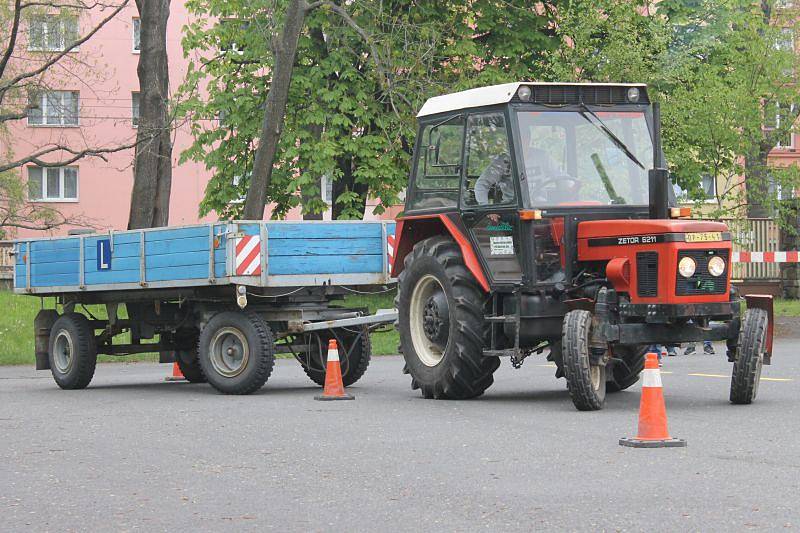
(586, 158)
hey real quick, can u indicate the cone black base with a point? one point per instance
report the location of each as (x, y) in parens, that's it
(323, 398)
(666, 443)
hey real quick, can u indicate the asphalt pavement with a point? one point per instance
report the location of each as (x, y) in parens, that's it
(133, 452)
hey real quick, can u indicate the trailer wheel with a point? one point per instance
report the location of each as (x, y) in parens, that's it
(72, 351)
(189, 363)
(353, 365)
(237, 352)
(749, 357)
(441, 323)
(626, 375)
(586, 381)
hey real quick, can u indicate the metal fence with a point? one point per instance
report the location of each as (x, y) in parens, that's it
(755, 235)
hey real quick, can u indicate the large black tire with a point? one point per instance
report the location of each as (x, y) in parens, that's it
(353, 365)
(749, 357)
(237, 352)
(451, 366)
(72, 351)
(625, 375)
(586, 382)
(189, 363)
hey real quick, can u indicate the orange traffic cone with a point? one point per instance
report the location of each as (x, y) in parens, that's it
(177, 375)
(334, 388)
(653, 431)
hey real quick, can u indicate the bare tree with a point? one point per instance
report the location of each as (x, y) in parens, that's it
(23, 74)
(152, 176)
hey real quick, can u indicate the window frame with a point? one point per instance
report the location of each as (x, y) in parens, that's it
(61, 185)
(417, 169)
(777, 122)
(47, 21)
(512, 151)
(712, 199)
(41, 97)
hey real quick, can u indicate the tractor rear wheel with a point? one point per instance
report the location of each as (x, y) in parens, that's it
(586, 379)
(749, 357)
(441, 323)
(625, 375)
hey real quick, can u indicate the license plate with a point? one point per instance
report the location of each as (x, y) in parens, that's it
(708, 236)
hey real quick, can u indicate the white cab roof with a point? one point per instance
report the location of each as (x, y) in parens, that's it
(492, 95)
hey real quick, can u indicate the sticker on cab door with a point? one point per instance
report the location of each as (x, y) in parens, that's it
(501, 245)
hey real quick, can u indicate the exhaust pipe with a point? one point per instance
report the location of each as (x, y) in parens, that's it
(658, 176)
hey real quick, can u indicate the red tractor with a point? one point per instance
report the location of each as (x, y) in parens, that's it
(538, 217)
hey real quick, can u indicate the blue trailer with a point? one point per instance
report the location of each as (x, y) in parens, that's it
(220, 299)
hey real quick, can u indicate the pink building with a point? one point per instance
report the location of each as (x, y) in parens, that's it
(91, 100)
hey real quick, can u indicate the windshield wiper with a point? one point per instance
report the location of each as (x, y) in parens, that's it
(610, 134)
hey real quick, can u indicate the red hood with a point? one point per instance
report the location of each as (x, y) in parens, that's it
(611, 228)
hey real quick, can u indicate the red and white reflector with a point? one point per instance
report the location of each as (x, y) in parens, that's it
(248, 256)
(390, 240)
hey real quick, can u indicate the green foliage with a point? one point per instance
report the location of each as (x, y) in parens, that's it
(715, 67)
(351, 114)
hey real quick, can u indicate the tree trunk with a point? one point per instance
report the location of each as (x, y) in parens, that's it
(152, 175)
(285, 52)
(756, 179)
(346, 182)
(790, 240)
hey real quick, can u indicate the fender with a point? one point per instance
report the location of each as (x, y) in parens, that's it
(413, 229)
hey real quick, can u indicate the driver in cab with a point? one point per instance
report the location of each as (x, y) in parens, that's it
(539, 168)
(547, 183)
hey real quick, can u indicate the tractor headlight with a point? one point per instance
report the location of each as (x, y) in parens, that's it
(686, 267)
(716, 266)
(524, 93)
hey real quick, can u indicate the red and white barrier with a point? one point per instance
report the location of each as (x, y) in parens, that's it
(766, 257)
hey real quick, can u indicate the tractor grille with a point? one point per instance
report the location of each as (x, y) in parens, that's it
(647, 273)
(573, 94)
(702, 282)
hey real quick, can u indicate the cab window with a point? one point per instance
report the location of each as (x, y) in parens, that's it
(438, 165)
(488, 179)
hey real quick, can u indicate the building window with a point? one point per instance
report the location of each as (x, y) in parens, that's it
(56, 184)
(53, 108)
(785, 40)
(137, 35)
(135, 109)
(326, 189)
(709, 185)
(777, 116)
(52, 33)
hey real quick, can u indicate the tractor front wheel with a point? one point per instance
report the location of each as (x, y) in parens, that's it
(586, 375)
(441, 323)
(749, 357)
(626, 372)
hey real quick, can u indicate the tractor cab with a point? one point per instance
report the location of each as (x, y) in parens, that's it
(540, 151)
(536, 212)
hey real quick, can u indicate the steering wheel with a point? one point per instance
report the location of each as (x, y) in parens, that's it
(570, 193)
